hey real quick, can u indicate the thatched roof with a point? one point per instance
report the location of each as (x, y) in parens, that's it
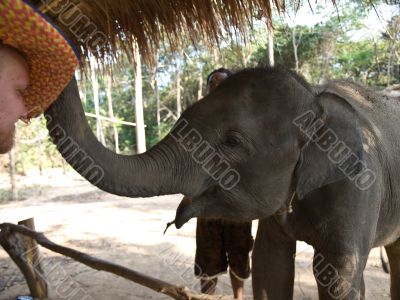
(118, 23)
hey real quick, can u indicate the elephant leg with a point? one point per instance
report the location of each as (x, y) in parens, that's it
(273, 263)
(393, 253)
(339, 276)
(362, 288)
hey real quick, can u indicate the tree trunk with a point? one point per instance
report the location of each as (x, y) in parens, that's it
(64, 167)
(95, 85)
(216, 59)
(377, 63)
(178, 86)
(39, 155)
(200, 86)
(389, 64)
(140, 130)
(157, 92)
(295, 45)
(108, 82)
(13, 194)
(18, 158)
(154, 86)
(270, 32)
(245, 54)
(328, 49)
(83, 90)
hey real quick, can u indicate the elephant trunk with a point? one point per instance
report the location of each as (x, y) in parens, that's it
(159, 171)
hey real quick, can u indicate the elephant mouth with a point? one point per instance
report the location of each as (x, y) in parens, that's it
(205, 205)
(213, 203)
(188, 208)
(185, 212)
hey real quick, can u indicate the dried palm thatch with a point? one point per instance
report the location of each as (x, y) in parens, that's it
(100, 27)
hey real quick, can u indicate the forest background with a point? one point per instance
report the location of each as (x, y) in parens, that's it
(354, 40)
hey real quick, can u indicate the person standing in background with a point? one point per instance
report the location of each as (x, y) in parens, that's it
(221, 243)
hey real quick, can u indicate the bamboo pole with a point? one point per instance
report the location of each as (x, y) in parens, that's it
(112, 120)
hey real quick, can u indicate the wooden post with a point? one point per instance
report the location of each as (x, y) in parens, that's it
(25, 253)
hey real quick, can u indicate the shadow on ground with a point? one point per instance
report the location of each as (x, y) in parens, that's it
(128, 232)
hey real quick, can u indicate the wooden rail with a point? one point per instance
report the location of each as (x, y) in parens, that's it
(9, 231)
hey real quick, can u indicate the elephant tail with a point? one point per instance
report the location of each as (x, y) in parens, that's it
(385, 264)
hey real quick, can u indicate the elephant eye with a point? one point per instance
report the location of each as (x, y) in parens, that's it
(232, 141)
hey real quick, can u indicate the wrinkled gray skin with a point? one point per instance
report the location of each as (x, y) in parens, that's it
(249, 120)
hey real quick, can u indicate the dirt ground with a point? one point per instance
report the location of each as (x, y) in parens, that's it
(128, 232)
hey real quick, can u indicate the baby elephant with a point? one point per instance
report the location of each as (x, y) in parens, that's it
(316, 164)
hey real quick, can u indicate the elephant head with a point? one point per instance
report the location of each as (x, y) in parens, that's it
(239, 153)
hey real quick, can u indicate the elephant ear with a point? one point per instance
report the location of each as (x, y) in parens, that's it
(332, 148)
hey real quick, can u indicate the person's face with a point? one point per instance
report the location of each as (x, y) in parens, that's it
(14, 79)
